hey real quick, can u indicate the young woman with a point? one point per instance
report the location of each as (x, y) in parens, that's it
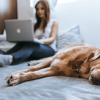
(45, 29)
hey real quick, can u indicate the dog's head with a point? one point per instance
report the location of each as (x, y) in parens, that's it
(86, 63)
(94, 77)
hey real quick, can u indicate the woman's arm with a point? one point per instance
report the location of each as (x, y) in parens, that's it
(53, 34)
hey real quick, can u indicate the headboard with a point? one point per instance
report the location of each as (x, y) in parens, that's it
(8, 10)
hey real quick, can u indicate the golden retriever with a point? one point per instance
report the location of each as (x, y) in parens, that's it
(80, 60)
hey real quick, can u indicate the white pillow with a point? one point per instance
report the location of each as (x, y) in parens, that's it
(4, 44)
(3, 36)
(69, 37)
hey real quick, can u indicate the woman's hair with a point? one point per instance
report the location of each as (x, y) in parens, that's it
(47, 15)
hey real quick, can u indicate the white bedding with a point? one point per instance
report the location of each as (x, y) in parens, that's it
(49, 88)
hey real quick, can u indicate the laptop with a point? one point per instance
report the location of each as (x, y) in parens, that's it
(19, 30)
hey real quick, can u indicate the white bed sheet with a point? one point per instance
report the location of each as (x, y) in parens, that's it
(49, 88)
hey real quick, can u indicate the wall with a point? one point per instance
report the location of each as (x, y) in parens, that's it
(8, 10)
(24, 9)
(86, 13)
(26, 12)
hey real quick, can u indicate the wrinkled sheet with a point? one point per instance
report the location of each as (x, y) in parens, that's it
(48, 88)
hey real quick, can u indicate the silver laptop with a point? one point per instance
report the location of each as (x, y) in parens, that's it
(19, 30)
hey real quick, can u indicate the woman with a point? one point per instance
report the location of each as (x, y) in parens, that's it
(45, 29)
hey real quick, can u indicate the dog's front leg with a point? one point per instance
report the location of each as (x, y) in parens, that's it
(16, 75)
(35, 62)
(14, 80)
(44, 64)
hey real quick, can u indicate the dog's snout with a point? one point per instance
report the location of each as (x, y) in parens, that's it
(8, 81)
(94, 80)
(11, 77)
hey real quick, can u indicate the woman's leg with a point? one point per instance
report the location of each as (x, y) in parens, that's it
(42, 51)
(7, 59)
(24, 53)
(35, 50)
(17, 47)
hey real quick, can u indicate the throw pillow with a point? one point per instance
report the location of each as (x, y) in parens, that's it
(69, 37)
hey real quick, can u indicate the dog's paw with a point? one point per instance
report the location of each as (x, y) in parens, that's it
(13, 79)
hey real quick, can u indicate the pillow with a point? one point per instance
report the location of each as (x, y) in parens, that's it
(69, 37)
(3, 36)
(4, 44)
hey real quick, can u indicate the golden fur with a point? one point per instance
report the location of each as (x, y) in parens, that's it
(81, 60)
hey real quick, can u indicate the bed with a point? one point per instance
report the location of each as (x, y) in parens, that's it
(48, 88)
(59, 87)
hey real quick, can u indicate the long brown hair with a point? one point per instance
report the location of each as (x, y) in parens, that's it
(47, 15)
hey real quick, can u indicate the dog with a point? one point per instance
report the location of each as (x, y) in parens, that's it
(79, 60)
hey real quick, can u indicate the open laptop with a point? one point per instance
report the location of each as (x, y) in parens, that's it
(19, 30)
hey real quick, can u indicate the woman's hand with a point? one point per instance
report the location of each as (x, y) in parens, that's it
(37, 40)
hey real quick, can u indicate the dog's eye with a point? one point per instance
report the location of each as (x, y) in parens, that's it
(92, 69)
(82, 61)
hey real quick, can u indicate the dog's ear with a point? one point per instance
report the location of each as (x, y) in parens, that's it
(82, 58)
(78, 61)
(95, 55)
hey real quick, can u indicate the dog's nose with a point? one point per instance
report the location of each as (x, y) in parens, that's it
(11, 77)
(8, 81)
(94, 80)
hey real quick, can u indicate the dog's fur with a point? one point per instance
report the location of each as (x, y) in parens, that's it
(81, 60)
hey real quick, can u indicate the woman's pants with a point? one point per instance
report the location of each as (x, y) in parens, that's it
(30, 50)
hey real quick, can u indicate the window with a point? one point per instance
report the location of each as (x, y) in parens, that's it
(31, 3)
(65, 1)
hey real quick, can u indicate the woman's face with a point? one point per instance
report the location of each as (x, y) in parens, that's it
(40, 10)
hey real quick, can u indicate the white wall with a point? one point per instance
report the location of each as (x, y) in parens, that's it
(24, 10)
(86, 13)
